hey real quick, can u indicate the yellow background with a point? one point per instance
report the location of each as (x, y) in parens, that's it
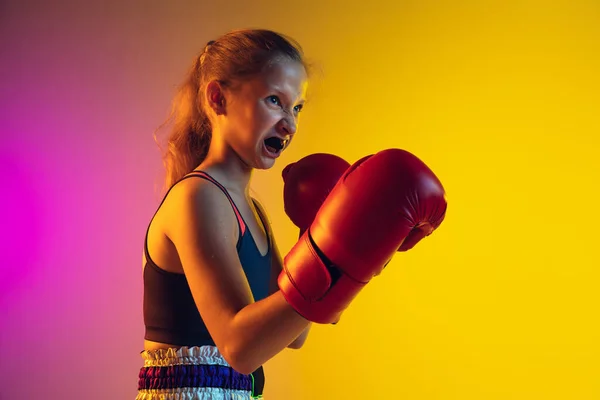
(501, 100)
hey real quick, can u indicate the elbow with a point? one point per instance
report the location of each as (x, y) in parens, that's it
(240, 360)
(298, 343)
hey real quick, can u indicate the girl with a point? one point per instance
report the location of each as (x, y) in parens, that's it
(212, 309)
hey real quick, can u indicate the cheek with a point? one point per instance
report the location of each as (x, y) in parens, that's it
(241, 121)
(263, 118)
(250, 126)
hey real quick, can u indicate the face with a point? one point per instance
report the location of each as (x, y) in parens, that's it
(261, 114)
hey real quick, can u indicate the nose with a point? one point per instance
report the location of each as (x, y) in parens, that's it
(287, 125)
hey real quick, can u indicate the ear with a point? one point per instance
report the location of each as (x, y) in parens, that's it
(215, 97)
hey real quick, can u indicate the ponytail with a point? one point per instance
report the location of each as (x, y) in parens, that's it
(190, 133)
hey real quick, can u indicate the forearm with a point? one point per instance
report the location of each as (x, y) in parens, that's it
(298, 341)
(261, 330)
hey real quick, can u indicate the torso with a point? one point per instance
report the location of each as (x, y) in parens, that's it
(165, 255)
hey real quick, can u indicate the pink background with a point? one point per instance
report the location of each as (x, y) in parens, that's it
(81, 93)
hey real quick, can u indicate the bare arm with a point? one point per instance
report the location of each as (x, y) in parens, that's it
(276, 267)
(203, 230)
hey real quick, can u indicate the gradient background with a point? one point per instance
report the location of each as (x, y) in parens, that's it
(500, 98)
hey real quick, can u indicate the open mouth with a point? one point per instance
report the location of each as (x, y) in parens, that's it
(274, 144)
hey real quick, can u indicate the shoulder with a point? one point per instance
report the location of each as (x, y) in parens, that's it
(194, 191)
(197, 203)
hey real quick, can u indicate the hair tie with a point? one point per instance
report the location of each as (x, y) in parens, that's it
(203, 55)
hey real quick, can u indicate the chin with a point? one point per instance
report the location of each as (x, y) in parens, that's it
(265, 164)
(258, 162)
(263, 160)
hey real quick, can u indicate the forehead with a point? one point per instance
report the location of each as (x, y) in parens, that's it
(287, 77)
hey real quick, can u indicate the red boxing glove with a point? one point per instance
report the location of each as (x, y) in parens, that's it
(307, 183)
(378, 204)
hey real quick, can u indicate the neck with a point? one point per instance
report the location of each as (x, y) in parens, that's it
(228, 167)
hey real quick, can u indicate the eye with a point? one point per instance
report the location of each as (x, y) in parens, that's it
(298, 108)
(275, 100)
